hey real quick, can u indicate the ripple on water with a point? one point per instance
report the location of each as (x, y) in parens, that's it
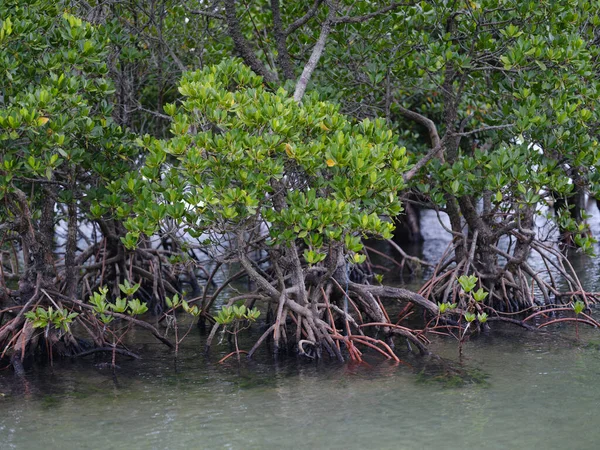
(521, 390)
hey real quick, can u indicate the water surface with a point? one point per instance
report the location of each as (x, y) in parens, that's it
(513, 389)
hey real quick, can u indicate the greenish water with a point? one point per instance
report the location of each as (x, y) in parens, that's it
(514, 389)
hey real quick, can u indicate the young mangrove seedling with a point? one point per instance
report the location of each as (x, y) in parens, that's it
(236, 316)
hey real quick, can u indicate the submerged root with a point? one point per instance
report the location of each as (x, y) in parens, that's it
(21, 340)
(326, 324)
(513, 288)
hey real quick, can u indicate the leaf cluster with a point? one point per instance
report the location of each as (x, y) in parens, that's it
(60, 318)
(230, 314)
(242, 154)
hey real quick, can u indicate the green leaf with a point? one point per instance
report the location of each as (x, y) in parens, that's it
(469, 316)
(468, 283)
(578, 307)
(480, 295)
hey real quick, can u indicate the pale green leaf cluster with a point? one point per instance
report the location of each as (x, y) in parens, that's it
(60, 319)
(229, 314)
(242, 154)
(100, 304)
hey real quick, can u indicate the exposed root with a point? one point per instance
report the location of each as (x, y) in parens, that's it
(120, 351)
(513, 287)
(323, 323)
(237, 352)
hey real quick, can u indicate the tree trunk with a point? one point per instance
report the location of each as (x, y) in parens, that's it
(37, 244)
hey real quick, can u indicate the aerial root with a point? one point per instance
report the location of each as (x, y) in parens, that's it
(323, 325)
(513, 288)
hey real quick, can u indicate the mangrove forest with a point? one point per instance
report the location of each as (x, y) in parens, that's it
(256, 180)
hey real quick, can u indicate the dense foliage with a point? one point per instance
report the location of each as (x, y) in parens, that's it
(59, 142)
(244, 159)
(145, 146)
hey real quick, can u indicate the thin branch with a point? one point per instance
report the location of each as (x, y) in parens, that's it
(365, 17)
(304, 19)
(407, 256)
(154, 113)
(206, 13)
(424, 160)
(484, 129)
(311, 65)
(131, 319)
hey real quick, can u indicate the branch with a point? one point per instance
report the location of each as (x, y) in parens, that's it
(311, 65)
(436, 142)
(422, 120)
(424, 160)
(242, 46)
(135, 321)
(283, 56)
(251, 271)
(304, 19)
(206, 13)
(397, 293)
(154, 113)
(407, 256)
(108, 350)
(176, 59)
(365, 17)
(484, 129)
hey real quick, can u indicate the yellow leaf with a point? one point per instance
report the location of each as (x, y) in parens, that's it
(289, 151)
(330, 162)
(323, 127)
(42, 121)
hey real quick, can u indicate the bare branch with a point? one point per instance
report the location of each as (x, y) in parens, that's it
(407, 256)
(154, 113)
(251, 271)
(133, 320)
(484, 129)
(242, 46)
(436, 142)
(206, 13)
(304, 19)
(176, 59)
(365, 17)
(311, 65)
(283, 56)
(424, 160)
(425, 121)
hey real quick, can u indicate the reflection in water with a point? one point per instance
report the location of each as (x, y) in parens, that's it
(517, 390)
(539, 389)
(437, 240)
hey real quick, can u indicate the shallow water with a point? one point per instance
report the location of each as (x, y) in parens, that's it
(512, 389)
(519, 390)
